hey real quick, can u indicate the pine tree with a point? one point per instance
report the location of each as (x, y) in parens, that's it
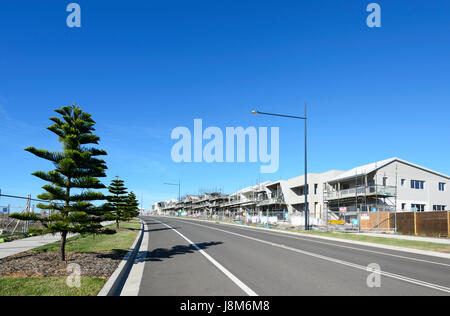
(77, 169)
(117, 201)
(132, 209)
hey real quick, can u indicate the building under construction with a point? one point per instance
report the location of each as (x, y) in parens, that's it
(391, 185)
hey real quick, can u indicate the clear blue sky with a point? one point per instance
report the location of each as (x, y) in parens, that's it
(142, 68)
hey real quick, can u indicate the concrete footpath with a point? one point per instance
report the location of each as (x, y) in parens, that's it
(20, 245)
(445, 241)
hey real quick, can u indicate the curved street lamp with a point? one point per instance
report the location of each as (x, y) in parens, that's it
(306, 159)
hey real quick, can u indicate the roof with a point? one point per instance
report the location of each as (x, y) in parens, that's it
(366, 169)
(256, 187)
(299, 181)
(275, 183)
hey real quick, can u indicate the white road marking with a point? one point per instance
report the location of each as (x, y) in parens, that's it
(238, 282)
(343, 246)
(342, 262)
(311, 239)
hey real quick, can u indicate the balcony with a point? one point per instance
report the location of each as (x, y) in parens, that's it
(269, 201)
(235, 202)
(361, 191)
(260, 201)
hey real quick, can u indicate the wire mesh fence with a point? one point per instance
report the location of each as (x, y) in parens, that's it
(380, 220)
(11, 228)
(268, 218)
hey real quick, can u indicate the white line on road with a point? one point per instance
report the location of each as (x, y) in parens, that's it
(279, 234)
(238, 282)
(357, 266)
(313, 238)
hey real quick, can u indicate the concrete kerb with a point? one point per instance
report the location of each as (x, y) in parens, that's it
(115, 283)
(355, 242)
(134, 279)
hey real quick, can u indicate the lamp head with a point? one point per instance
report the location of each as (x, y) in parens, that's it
(255, 112)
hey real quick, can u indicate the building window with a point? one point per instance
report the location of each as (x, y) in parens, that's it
(418, 207)
(403, 206)
(438, 207)
(316, 186)
(402, 181)
(384, 181)
(441, 186)
(417, 184)
(301, 190)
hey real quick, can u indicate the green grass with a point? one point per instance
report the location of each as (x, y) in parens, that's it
(121, 241)
(56, 286)
(49, 286)
(421, 245)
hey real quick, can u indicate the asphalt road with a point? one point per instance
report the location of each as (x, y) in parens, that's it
(195, 258)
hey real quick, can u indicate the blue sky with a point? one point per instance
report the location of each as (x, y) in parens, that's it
(142, 68)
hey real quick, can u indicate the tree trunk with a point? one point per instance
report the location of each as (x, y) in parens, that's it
(117, 223)
(62, 246)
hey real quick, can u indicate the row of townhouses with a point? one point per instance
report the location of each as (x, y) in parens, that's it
(392, 185)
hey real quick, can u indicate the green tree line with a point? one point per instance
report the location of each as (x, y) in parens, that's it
(72, 190)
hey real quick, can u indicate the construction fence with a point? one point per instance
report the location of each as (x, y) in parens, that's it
(273, 219)
(14, 228)
(431, 224)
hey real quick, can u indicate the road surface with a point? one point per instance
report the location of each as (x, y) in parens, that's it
(196, 258)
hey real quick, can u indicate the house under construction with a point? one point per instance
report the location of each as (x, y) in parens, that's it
(391, 185)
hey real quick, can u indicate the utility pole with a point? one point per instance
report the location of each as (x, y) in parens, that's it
(179, 189)
(306, 180)
(306, 210)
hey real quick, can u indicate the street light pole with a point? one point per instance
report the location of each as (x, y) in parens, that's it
(179, 188)
(306, 191)
(306, 181)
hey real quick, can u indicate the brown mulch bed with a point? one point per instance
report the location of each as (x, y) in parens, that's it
(48, 264)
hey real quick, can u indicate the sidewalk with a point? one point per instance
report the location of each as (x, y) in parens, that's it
(445, 241)
(19, 245)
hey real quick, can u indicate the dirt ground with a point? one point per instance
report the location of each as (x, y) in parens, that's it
(47, 264)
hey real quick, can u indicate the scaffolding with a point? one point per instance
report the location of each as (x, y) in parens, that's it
(345, 205)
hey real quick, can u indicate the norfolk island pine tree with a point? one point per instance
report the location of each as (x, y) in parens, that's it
(132, 209)
(77, 168)
(117, 201)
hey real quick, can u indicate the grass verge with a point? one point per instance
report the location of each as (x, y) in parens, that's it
(118, 243)
(420, 245)
(49, 286)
